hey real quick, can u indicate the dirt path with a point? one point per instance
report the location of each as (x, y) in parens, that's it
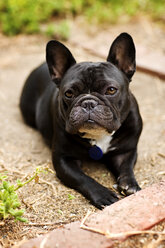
(22, 148)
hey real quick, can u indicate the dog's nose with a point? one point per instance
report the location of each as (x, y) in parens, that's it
(89, 104)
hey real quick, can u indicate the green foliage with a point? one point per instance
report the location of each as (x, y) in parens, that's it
(9, 201)
(102, 11)
(71, 197)
(25, 16)
(58, 31)
(60, 212)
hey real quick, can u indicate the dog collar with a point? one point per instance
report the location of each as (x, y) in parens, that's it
(95, 152)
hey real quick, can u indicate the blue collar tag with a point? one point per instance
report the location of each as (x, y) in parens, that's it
(95, 152)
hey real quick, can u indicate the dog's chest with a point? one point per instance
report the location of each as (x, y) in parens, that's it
(102, 142)
(98, 138)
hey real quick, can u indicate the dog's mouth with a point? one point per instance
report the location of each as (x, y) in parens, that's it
(90, 124)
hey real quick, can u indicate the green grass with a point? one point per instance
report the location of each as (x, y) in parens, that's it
(26, 16)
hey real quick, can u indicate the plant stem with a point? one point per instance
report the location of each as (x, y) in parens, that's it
(28, 181)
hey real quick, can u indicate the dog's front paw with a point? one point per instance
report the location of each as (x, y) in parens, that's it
(127, 185)
(103, 197)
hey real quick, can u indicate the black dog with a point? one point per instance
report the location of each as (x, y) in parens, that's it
(86, 110)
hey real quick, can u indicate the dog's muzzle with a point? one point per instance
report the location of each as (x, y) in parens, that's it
(91, 113)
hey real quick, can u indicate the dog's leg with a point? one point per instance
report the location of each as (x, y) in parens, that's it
(122, 166)
(70, 173)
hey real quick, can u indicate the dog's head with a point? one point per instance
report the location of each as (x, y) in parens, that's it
(93, 97)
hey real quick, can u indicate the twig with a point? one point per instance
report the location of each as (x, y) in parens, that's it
(41, 181)
(28, 205)
(161, 173)
(84, 219)
(35, 200)
(10, 171)
(44, 241)
(46, 224)
(114, 235)
(161, 155)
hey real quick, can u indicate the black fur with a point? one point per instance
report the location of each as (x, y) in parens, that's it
(61, 97)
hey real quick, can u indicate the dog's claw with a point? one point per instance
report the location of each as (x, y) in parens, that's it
(115, 186)
(128, 185)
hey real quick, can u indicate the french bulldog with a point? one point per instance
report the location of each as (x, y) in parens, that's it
(87, 111)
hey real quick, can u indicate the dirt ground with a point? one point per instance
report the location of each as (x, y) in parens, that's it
(22, 149)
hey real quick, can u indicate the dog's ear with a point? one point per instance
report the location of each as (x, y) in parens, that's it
(59, 59)
(122, 54)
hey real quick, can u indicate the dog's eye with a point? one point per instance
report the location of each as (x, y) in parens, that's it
(111, 91)
(69, 94)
